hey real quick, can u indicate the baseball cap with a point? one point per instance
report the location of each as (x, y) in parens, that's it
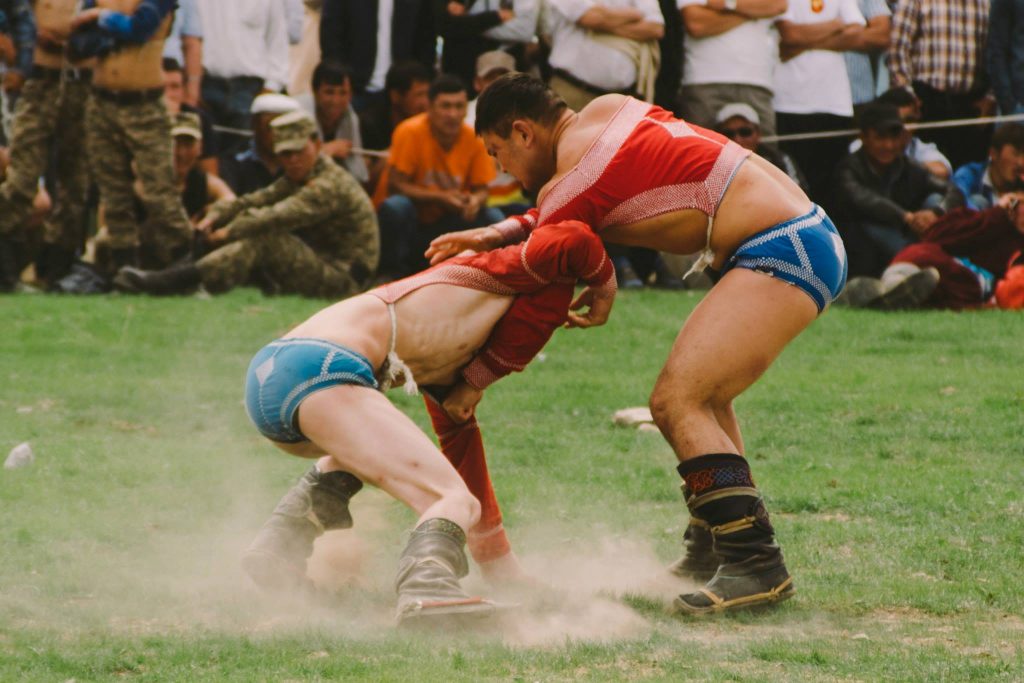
(881, 117)
(292, 131)
(273, 103)
(493, 61)
(187, 123)
(740, 109)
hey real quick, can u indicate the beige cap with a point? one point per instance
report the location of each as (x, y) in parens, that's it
(292, 131)
(187, 123)
(493, 61)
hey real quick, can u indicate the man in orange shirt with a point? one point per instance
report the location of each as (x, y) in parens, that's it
(436, 180)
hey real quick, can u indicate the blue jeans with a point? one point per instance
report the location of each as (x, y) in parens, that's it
(403, 239)
(228, 100)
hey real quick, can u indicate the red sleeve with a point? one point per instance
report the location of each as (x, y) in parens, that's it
(543, 270)
(515, 229)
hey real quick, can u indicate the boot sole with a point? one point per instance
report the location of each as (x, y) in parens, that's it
(780, 593)
(446, 612)
(912, 292)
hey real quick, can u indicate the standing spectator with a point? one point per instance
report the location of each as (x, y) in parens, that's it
(406, 88)
(249, 56)
(185, 46)
(127, 127)
(336, 121)
(862, 63)
(462, 24)
(730, 55)
(371, 35)
(670, 73)
(518, 33)
(984, 182)
(1005, 56)
(885, 199)
(305, 55)
(198, 188)
(604, 48)
(812, 88)
(312, 232)
(256, 166)
(436, 180)
(938, 51)
(739, 121)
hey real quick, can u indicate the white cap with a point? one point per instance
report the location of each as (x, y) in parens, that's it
(273, 103)
(738, 109)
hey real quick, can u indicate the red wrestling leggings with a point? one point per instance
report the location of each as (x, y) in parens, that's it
(464, 448)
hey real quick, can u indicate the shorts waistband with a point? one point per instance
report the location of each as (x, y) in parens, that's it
(129, 96)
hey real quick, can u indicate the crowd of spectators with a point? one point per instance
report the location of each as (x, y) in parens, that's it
(879, 109)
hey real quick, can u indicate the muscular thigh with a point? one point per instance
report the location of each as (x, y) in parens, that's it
(733, 335)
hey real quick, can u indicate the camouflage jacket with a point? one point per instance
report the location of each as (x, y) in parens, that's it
(330, 212)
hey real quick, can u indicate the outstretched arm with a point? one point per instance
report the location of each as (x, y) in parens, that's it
(512, 230)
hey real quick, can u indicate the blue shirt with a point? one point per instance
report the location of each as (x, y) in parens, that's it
(16, 18)
(974, 183)
(860, 66)
(140, 25)
(187, 22)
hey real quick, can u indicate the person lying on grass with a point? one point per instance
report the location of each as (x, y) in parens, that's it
(453, 329)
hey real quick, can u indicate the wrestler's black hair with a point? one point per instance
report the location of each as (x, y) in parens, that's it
(516, 96)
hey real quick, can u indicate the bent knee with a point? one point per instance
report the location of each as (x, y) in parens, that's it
(466, 503)
(671, 405)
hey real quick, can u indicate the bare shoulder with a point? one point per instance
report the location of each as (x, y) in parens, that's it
(599, 110)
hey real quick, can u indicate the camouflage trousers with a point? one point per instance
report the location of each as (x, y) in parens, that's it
(128, 142)
(283, 262)
(49, 114)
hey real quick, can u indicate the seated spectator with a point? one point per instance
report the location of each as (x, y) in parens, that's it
(505, 192)
(312, 232)
(174, 98)
(436, 180)
(958, 263)
(740, 122)
(198, 188)
(405, 86)
(984, 182)
(329, 104)
(885, 199)
(925, 153)
(256, 166)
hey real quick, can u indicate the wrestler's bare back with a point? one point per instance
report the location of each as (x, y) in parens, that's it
(759, 196)
(440, 327)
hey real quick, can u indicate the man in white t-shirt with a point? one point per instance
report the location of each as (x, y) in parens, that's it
(812, 88)
(730, 53)
(582, 32)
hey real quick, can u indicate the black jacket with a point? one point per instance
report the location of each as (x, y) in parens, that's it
(464, 40)
(348, 34)
(863, 195)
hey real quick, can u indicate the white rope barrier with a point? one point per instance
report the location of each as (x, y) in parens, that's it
(951, 123)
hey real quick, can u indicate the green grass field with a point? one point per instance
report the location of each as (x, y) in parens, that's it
(890, 449)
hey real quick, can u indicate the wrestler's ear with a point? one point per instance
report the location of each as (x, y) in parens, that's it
(523, 132)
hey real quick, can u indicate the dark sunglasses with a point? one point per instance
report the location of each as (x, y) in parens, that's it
(733, 133)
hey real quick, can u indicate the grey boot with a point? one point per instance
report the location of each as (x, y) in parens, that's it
(752, 572)
(699, 560)
(276, 559)
(428, 575)
(179, 279)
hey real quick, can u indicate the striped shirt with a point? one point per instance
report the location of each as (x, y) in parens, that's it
(860, 66)
(940, 43)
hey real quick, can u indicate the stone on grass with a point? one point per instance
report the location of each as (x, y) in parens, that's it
(632, 417)
(20, 456)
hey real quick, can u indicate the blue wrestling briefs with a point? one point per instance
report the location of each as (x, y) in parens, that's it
(806, 251)
(286, 371)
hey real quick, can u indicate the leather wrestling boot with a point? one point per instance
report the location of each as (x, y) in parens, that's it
(428, 577)
(699, 561)
(178, 279)
(752, 572)
(276, 559)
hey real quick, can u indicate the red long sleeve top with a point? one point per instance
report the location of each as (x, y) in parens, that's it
(540, 273)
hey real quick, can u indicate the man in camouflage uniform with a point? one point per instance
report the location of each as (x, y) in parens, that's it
(312, 232)
(50, 113)
(128, 131)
